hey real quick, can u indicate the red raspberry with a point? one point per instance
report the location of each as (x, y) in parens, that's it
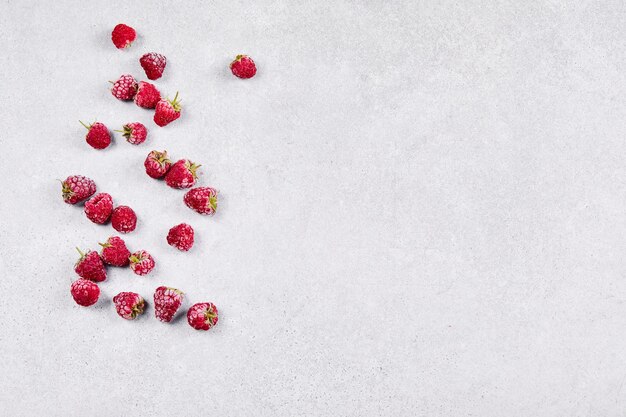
(181, 237)
(157, 164)
(115, 252)
(153, 64)
(129, 305)
(125, 87)
(167, 301)
(123, 219)
(167, 111)
(202, 316)
(202, 199)
(77, 188)
(147, 95)
(123, 36)
(141, 262)
(98, 136)
(85, 292)
(98, 209)
(182, 174)
(89, 266)
(135, 133)
(243, 66)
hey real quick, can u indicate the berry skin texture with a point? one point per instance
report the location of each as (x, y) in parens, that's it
(202, 316)
(157, 164)
(98, 136)
(202, 199)
(124, 88)
(243, 67)
(135, 133)
(98, 209)
(123, 36)
(167, 111)
(115, 252)
(85, 292)
(167, 301)
(123, 219)
(89, 266)
(181, 237)
(141, 262)
(182, 174)
(77, 188)
(153, 64)
(147, 95)
(129, 305)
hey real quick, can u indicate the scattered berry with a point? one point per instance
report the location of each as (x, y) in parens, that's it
(167, 111)
(181, 237)
(243, 66)
(123, 219)
(85, 292)
(115, 252)
(202, 199)
(135, 133)
(157, 164)
(202, 316)
(98, 136)
(147, 95)
(123, 36)
(182, 174)
(153, 64)
(77, 188)
(125, 87)
(129, 305)
(141, 262)
(98, 209)
(167, 301)
(89, 266)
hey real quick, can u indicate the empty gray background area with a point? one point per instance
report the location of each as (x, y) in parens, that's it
(422, 209)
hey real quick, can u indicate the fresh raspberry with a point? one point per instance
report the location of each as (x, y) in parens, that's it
(182, 174)
(98, 209)
(125, 87)
(141, 262)
(153, 64)
(157, 164)
(243, 66)
(123, 219)
(123, 36)
(115, 252)
(129, 305)
(85, 292)
(167, 111)
(135, 133)
(98, 136)
(202, 316)
(89, 266)
(147, 95)
(202, 199)
(181, 237)
(167, 301)
(77, 188)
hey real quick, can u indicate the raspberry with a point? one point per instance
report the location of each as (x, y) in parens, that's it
(181, 237)
(202, 199)
(125, 87)
(167, 111)
(98, 209)
(89, 266)
(123, 36)
(135, 133)
(153, 64)
(147, 95)
(182, 174)
(77, 188)
(157, 164)
(202, 316)
(167, 301)
(129, 305)
(98, 136)
(115, 252)
(85, 292)
(243, 67)
(141, 262)
(123, 219)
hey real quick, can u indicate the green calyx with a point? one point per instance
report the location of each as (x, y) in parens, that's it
(193, 168)
(88, 127)
(134, 260)
(213, 202)
(126, 132)
(176, 103)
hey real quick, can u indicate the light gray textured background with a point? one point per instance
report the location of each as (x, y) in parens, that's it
(422, 209)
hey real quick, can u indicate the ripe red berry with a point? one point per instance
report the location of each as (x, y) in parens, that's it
(123, 219)
(141, 262)
(98, 136)
(167, 301)
(153, 64)
(167, 111)
(157, 164)
(77, 188)
(202, 199)
(243, 66)
(129, 305)
(147, 95)
(124, 88)
(85, 292)
(123, 36)
(98, 209)
(181, 237)
(182, 174)
(115, 252)
(135, 133)
(89, 266)
(202, 316)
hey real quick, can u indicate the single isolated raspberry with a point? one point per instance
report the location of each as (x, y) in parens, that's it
(89, 266)
(157, 164)
(123, 36)
(182, 174)
(141, 262)
(135, 133)
(167, 111)
(243, 67)
(98, 136)
(147, 95)
(123, 219)
(181, 237)
(77, 188)
(85, 292)
(202, 199)
(202, 316)
(167, 301)
(153, 64)
(125, 87)
(115, 252)
(98, 209)
(129, 305)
